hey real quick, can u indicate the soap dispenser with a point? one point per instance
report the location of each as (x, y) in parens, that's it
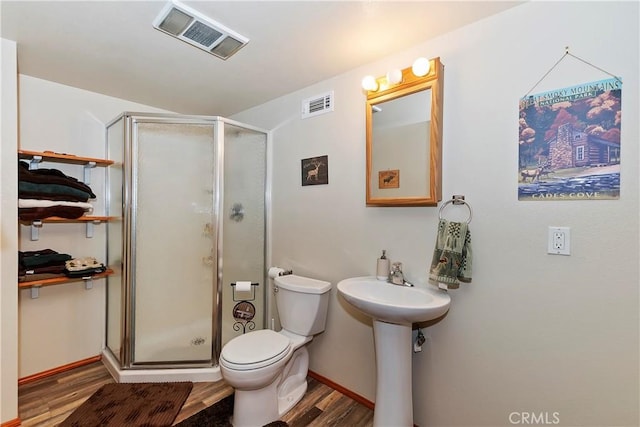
(382, 270)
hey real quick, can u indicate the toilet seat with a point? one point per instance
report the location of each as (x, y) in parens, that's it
(255, 350)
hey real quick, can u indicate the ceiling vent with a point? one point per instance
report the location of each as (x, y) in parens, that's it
(318, 104)
(192, 27)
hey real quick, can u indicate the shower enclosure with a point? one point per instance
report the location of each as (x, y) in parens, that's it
(188, 199)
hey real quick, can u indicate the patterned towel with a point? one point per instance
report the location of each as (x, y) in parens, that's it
(451, 263)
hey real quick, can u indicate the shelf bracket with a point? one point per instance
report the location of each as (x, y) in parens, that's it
(87, 172)
(88, 282)
(35, 292)
(90, 228)
(33, 163)
(35, 230)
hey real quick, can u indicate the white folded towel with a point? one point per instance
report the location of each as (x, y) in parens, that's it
(36, 203)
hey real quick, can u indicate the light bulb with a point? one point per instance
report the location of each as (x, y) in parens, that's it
(369, 83)
(394, 76)
(421, 67)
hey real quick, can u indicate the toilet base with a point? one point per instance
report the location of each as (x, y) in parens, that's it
(254, 408)
(291, 399)
(259, 407)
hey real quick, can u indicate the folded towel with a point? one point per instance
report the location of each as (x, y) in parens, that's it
(30, 190)
(54, 269)
(79, 264)
(36, 203)
(44, 260)
(451, 263)
(50, 176)
(85, 272)
(81, 267)
(33, 214)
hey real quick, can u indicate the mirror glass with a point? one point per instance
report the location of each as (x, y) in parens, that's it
(404, 128)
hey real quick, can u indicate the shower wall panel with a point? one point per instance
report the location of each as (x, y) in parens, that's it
(243, 219)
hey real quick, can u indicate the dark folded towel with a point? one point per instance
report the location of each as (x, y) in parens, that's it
(86, 272)
(22, 254)
(44, 260)
(58, 269)
(30, 190)
(50, 176)
(32, 214)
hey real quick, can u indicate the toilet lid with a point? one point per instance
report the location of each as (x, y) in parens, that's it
(256, 349)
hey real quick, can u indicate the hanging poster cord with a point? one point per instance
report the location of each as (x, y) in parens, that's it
(567, 53)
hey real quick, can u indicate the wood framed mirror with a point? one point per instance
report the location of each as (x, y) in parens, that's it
(404, 139)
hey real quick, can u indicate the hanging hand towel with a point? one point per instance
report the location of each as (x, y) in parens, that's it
(451, 262)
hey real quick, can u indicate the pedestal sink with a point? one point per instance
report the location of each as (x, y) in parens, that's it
(393, 309)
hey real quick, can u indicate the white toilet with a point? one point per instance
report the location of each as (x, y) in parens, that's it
(268, 369)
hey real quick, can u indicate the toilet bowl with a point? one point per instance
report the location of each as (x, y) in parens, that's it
(268, 369)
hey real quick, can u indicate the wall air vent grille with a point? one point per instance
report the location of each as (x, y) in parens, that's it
(318, 104)
(192, 27)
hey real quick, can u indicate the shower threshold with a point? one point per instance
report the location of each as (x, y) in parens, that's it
(209, 374)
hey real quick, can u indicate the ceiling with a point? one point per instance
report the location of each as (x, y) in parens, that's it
(111, 47)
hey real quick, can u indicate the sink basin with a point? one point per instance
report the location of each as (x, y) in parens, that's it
(392, 303)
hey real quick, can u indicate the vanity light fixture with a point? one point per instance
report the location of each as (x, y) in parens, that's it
(394, 76)
(369, 83)
(420, 68)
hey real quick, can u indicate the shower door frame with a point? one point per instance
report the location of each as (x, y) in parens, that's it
(127, 303)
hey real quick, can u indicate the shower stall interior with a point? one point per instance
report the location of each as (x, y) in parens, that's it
(188, 199)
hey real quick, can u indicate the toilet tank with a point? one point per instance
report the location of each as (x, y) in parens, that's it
(302, 304)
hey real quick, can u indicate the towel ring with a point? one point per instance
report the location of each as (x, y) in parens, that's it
(457, 200)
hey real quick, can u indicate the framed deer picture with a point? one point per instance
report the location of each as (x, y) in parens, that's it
(389, 179)
(315, 170)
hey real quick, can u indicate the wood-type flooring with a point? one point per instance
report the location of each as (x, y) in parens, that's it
(48, 401)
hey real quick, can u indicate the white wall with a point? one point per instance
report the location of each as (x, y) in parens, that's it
(8, 232)
(533, 332)
(66, 323)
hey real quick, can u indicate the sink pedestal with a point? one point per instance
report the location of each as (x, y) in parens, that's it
(393, 309)
(394, 405)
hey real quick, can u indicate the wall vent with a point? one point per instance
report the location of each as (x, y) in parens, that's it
(318, 104)
(192, 27)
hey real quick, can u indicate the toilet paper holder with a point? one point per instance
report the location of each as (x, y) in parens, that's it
(253, 292)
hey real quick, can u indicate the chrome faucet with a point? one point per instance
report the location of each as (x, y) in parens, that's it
(396, 276)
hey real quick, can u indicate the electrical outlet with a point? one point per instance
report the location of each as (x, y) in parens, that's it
(559, 242)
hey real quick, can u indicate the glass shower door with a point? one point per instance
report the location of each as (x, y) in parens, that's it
(173, 237)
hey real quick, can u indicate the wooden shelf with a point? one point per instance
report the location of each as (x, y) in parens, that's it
(88, 220)
(62, 158)
(85, 218)
(61, 280)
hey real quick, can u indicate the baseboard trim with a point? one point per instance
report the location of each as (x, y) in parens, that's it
(58, 370)
(13, 423)
(326, 381)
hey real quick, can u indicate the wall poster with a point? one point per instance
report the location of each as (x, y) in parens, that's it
(569, 144)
